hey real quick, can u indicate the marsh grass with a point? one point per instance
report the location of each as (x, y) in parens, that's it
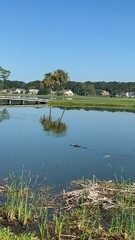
(7, 234)
(59, 221)
(99, 103)
(19, 201)
(94, 210)
(43, 223)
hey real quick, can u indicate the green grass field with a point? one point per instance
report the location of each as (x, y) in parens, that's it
(123, 104)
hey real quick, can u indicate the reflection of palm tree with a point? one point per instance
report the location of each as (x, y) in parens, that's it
(57, 127)
(4, 115)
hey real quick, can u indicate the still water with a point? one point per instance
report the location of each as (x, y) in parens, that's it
(42, 141)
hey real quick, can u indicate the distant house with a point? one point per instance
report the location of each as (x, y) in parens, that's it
(53, 92)
(105, 93)
(4, 91)
(11, 91)
(68, 92)
(130, 94)
(33, 91)
(20, 91)
(127, 94)
(122, 94)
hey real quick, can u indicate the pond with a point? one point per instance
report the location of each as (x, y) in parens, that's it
(64, 145)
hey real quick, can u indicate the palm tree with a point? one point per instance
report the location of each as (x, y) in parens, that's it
(60, 77)
(48, 82)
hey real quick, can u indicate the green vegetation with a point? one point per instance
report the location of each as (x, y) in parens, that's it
(7, 234)
(101, 103)
(56, 127)
(78, 88)
(96, 88)
(4, 74)
(54, 79)
(59, 80)
(93, 210)
(88, 102)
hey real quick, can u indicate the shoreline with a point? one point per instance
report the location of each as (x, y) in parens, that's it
(88, 102)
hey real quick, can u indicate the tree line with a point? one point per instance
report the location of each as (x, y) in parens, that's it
(58, 80)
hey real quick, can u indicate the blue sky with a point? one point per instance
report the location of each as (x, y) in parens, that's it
(92, 40)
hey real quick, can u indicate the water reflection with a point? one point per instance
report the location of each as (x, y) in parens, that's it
(99, 109)
(4, 115)
(57, 127)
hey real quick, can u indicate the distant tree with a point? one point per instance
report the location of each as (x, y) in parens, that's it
(88, 88)
(43, 90)
(33, 85)
(14, 84)
(4, 74)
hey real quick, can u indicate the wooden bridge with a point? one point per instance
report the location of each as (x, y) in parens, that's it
(12, 100)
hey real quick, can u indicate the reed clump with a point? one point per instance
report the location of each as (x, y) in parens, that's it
(90, 210)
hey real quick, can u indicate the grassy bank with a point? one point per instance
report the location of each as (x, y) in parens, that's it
(123, 104)
(90, 210)
(89, 102)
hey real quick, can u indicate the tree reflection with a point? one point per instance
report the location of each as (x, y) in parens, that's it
(4, 115)
(57, 127)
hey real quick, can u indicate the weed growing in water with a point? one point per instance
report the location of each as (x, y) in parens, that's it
(95, 210)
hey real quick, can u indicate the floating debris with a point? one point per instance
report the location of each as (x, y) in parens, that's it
(105, 192)
(107, 156)
(4, 189)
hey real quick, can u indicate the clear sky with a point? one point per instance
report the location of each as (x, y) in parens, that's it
(92, 40)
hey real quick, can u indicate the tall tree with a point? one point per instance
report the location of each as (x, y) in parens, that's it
(48, 82)
(4, 74)
(60, 77)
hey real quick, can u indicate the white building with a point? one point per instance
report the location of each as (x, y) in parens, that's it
(68, 92)
(33, 91)
(20, 90)
(130, 94)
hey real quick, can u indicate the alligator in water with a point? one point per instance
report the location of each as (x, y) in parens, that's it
(77, 146)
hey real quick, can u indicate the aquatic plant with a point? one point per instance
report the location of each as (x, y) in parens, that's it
(94, 210)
